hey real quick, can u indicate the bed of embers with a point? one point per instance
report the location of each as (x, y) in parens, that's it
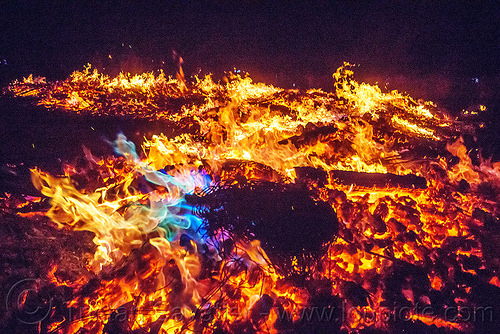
(264, 210)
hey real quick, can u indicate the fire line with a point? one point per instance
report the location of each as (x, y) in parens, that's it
(269, 210)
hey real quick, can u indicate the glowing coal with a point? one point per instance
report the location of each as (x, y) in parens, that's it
(270, 210)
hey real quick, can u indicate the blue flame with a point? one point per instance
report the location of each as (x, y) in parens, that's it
(174, 215)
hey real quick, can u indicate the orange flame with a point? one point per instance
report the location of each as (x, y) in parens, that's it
(266, 132)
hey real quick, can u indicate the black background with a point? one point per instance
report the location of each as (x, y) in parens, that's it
(447, 52)
(438, 45)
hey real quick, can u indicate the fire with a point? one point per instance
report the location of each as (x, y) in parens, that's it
(156, 259)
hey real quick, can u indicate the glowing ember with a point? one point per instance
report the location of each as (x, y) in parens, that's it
(401, 250)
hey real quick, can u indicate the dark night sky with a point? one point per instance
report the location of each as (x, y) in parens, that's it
(411, 45)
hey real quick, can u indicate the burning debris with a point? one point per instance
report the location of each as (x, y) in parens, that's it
(271, 210)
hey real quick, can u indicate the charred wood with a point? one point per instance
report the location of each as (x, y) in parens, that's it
(378, 180)
(311, 134)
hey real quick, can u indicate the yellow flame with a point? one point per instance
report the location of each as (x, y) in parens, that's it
(279, 129)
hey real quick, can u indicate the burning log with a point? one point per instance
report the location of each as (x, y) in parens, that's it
(311, 134)
(367, 180)
(243, 171)
(378, 180)
(312, 174)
